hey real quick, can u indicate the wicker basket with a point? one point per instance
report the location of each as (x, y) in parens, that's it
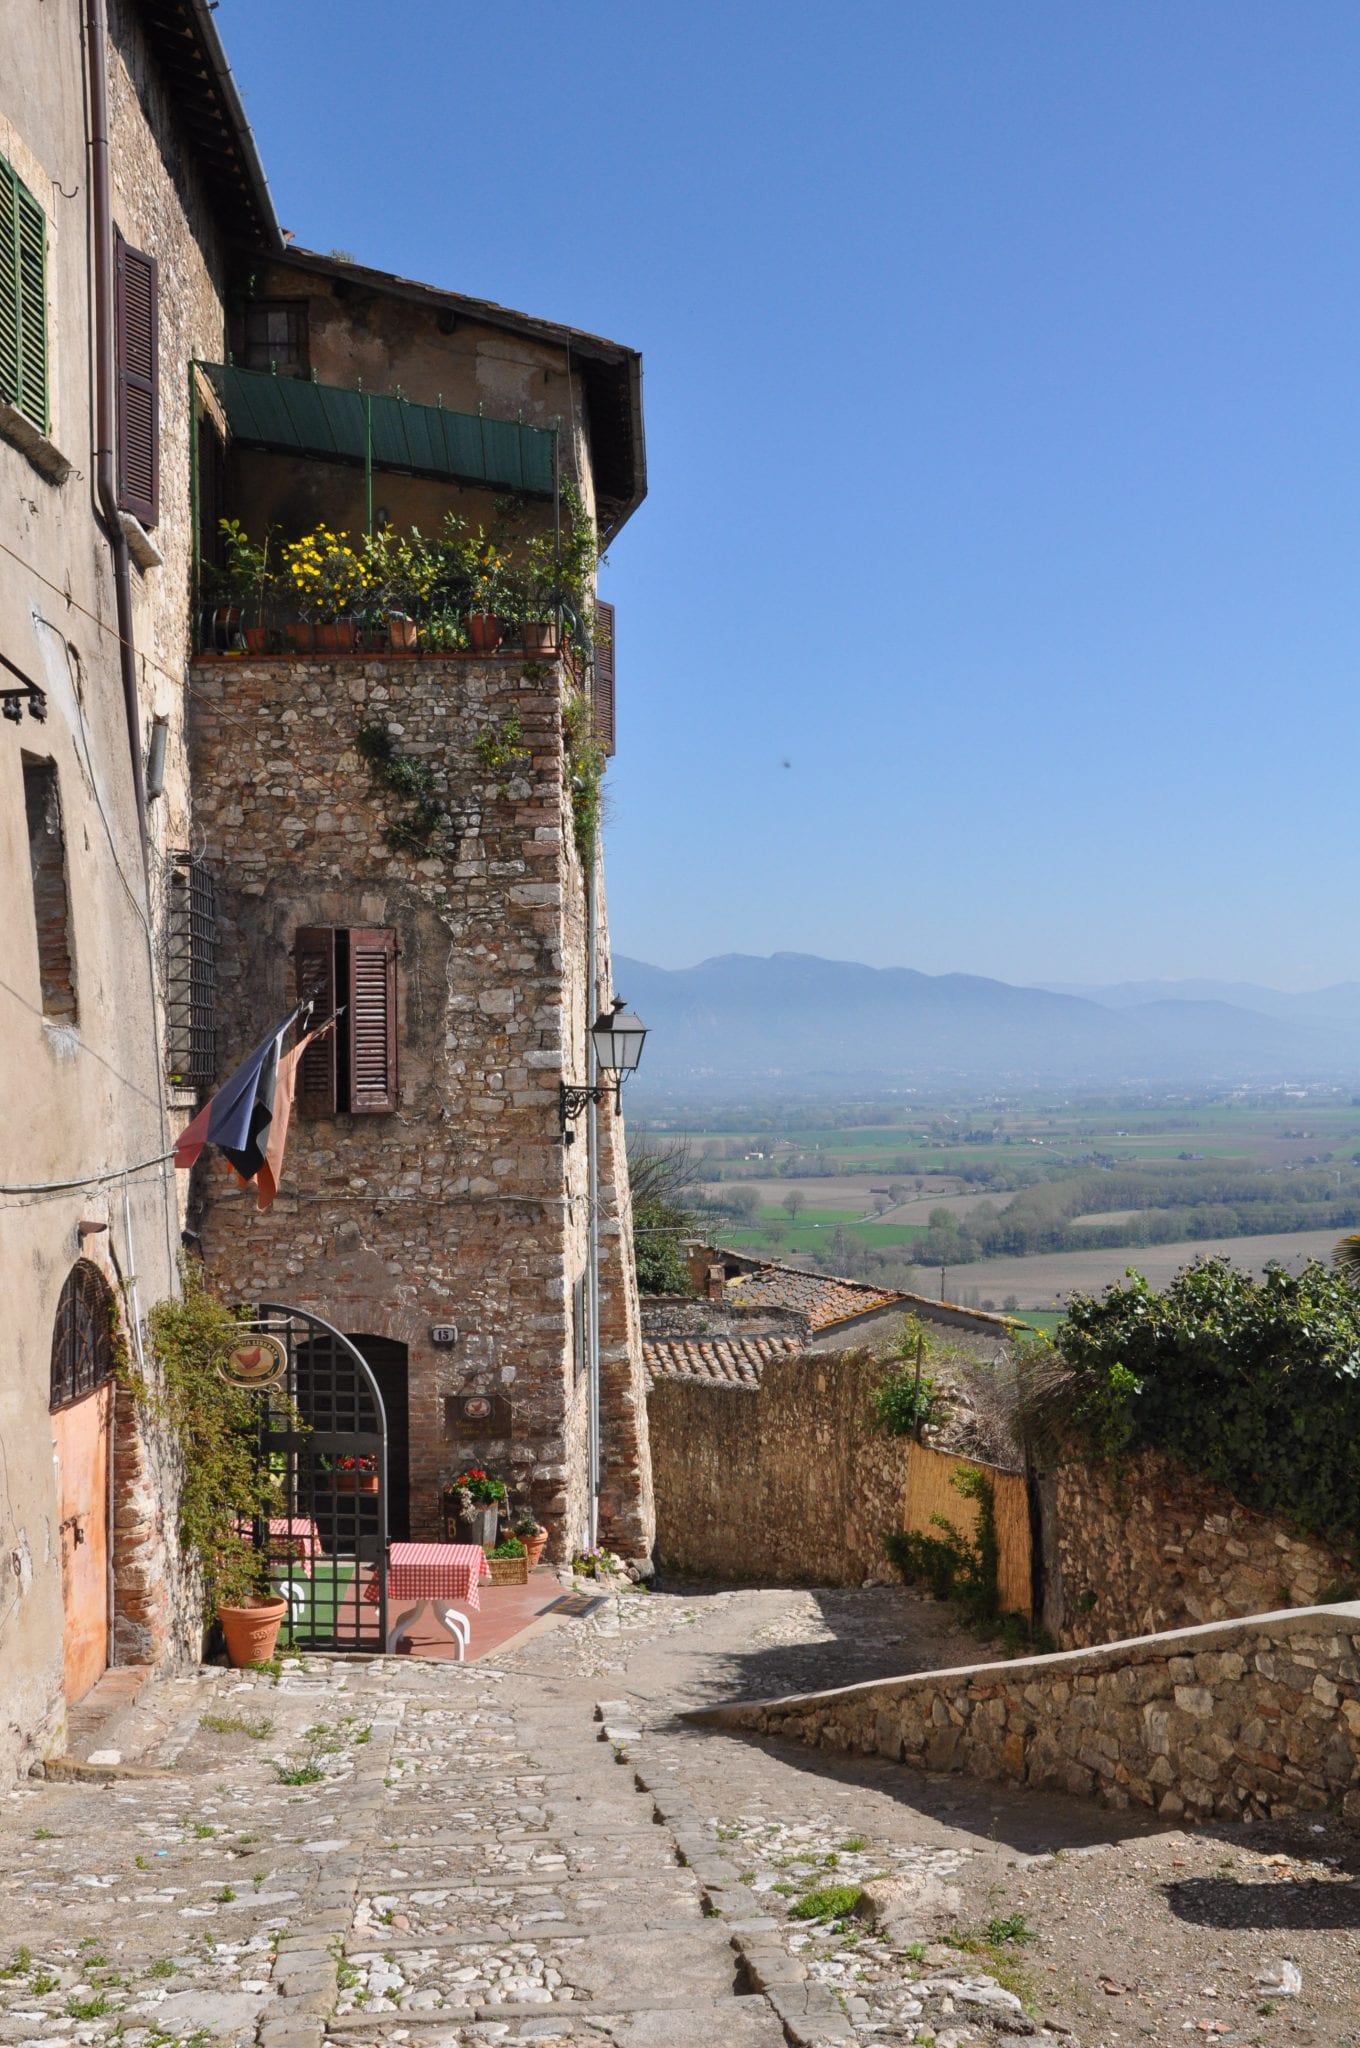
(509, 1571)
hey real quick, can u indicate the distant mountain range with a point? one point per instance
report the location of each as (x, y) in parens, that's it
(797, 1024)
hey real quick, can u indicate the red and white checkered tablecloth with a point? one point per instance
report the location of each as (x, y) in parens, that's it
(294, 1537)
(432, 1571)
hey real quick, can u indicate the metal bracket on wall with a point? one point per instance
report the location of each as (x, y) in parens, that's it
(12, 697)
(572, 1100)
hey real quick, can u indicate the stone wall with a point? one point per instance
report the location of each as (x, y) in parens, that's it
(1259, 1716)
(1142, 1545)
(462, 1207)
(789, 1481)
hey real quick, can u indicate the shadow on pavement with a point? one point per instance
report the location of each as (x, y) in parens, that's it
(1220, 1902)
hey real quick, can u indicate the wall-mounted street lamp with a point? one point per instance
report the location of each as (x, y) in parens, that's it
(617, 1036)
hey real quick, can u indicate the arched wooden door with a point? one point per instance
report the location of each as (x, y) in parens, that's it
(82, 1432)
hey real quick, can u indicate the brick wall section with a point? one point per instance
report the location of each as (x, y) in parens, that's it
(788, 1482)
(1259, 1716)
(461, 1207)
(1143, 1546)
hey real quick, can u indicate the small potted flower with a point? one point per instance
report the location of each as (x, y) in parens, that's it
(533, 1536)
(472, 1505)
(355, 1475)
(486, 588)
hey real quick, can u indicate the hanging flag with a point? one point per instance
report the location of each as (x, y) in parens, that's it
(271, 1171)
(240, 1113)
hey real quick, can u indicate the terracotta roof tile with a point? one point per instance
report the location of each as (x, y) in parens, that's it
(729, 1361)
(822, 1298)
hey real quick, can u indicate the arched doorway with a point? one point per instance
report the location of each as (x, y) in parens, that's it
(323, 1440)
(81, 1404)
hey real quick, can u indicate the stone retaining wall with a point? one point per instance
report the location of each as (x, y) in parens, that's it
(788, 1482)
(1255, 1716)
(1143, 1545)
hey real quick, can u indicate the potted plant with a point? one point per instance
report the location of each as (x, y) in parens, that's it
(250, 1610)
(533, 1536)
(236, 587)
(538, 599)
(509, 1563)
(402, 574)
(356, 1475)
(328, 582)
(486, 589)
(473, 1502)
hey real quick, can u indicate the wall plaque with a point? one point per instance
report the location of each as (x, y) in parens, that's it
(443, 1333)
(476, 1415)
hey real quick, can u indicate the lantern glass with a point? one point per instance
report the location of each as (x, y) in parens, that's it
(618, 1037)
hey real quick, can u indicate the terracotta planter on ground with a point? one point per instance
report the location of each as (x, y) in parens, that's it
(252, 1630)
(534, 1547)
(483, 631)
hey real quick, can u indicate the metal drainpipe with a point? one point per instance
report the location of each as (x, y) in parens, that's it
(593, 1196)
(96, 38)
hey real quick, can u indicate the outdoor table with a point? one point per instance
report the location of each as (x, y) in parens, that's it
(430, 1575)
(296, 1536)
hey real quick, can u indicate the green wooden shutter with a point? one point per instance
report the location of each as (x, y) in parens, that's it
(23, 300)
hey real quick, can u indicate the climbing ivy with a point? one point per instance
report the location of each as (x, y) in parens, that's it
(501, 750)
(586, 763)
(214, 1426)
(425, 818)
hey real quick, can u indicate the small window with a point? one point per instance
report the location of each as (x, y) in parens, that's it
(51, 898)
(23, 300)
(82, 1336)
(353, 1069)
(191, 975)
(138, 355)
(275, 336)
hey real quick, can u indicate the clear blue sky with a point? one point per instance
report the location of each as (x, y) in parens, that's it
(1001, 373)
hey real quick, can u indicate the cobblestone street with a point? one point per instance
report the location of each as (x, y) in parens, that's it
(407, 1854)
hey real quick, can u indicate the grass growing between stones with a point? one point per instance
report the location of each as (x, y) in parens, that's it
(827, 1902)
(994, 1943)
(238, 1724)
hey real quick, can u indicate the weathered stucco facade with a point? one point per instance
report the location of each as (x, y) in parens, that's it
(86, 1109)
(460, 1209)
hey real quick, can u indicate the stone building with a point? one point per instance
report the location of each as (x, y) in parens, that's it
(434, 1209)
(125, 171)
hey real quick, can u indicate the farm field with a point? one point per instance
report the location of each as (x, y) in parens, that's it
(1046, 1280)
(848, 1196)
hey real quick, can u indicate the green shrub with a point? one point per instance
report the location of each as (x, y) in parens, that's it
(1252, 1383)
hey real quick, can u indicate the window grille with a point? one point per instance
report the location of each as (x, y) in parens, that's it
(82, 1337)
(191, 975)
(23, 300)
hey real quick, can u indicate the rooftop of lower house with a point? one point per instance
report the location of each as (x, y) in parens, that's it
(733, 1360)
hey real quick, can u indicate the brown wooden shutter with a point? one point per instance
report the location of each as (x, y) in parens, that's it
(138, 410)
(314, 968)
(602, 690)
(372, 1021)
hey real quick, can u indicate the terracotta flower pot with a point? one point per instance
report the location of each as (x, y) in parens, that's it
(540, 637)
(483, 631)
(252, 1631)
(534, 1547)
(257, 639)
(299, 632)
(336, 636)
(356, 1482)
(401, 635)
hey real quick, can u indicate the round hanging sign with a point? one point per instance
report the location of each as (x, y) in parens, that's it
(261, 1361)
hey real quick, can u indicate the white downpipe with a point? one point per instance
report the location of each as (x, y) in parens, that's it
(593, 1203)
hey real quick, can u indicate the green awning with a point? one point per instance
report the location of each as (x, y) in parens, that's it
(294, 417)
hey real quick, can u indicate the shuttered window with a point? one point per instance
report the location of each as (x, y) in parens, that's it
(314, 968)
(138, 408)
(353, 1068)
(372, 1020)
(602, 688)
(23, 300)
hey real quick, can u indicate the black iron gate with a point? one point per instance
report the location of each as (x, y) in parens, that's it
(323, 1441)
